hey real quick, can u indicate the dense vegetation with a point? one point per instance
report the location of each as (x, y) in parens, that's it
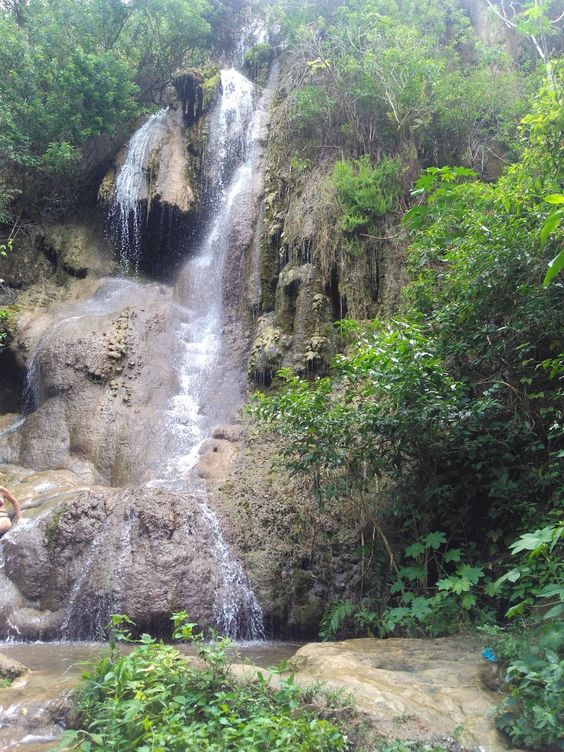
(437, 435)
(75, 75)
(152, 698)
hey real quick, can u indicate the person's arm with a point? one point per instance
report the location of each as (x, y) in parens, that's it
(13, 501)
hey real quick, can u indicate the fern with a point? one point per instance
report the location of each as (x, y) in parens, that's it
(334, 618)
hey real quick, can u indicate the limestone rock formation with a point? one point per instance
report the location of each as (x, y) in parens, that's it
(76, 249)
(89, 553)
(99, 372)
(410, 688)
(298, 333)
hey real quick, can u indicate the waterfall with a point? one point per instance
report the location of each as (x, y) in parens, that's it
(204, 399)
(126, 216)
(236, 610)
(208, 392)
(194, 332)
(210, 386)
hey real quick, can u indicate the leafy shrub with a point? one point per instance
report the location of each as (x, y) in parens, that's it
(153, 699)
(365, 193)
(311, 106)
(435, 593)
(438, 591)
(533, 652)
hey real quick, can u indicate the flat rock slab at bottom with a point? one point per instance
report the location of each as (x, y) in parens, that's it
(412, 688)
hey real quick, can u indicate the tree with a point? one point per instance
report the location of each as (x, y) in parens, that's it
(537, 19)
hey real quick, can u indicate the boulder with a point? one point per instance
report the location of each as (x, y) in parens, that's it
(145, 552)
(99, 375)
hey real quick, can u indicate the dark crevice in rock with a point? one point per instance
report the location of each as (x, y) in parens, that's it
(190, 90)
(168, 236)
(11, 383)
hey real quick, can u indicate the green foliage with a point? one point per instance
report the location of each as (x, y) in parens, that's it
(409, 746)
(478, 265)
(436, 592)
(532, 652)
(78, 72)
(365, 193)
(450, 417)
(257, 61)
(5, 248)
(551, 224)
(439, 591)
(388, 402)
(151, 698)
(383, 74)
(311, 107)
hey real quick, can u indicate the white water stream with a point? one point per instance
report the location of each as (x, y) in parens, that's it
(203, 401)
(126, 214)
(207, 396)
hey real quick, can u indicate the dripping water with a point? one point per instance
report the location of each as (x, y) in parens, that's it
(85, 617)
(237, 611)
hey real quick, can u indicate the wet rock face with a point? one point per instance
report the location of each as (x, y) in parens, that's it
(298, 333)
(70, 249)
(76, 249)
(143, 552)
(151, 196)
(99, 372)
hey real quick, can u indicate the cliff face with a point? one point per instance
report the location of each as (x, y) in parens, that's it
(312, 270)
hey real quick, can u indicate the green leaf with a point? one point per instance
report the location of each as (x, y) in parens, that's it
(461, 585)
(415, 550)
(554, 590)
(434, 540)
(467, 601)
(512, 576)
(413, 573)
(554, 268)
(420, 608)
(470, 573)
(556, 612)
(516, 610)
(533, 541)
(445, 583)
(491, 589)
(554, 198)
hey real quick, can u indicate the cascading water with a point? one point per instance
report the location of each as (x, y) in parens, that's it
(210, 387)
(126, 216)
(125, 387)
(203, 400)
